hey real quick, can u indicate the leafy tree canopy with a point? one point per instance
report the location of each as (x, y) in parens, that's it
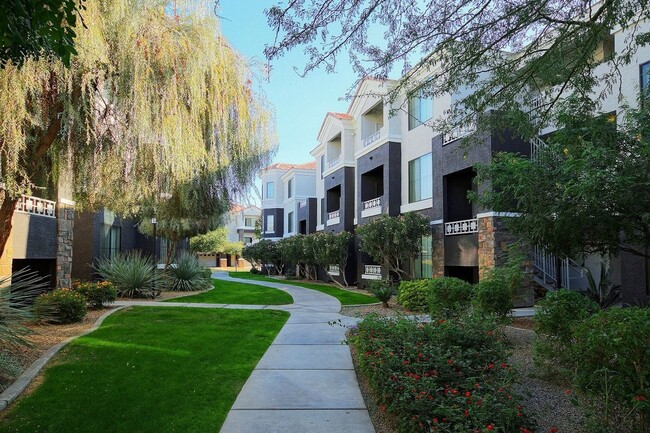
(215, 241)
(588, 190)
(499, 53)
(38, 28)
(155, 105)
(394, 241)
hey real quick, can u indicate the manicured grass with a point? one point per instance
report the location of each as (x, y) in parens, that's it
(229, 292)
(149, 369)
(344, 296)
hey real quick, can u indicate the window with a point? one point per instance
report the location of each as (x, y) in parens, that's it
(420, 107)
(420, 178)
(111, 243)
(645, 77)
(270, 190)
(248, 240)
(290, 222)
(248, 222)
(423, 264)
(290, 188)
(270, 223)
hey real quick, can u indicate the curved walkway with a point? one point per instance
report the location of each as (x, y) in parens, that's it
(305, 382)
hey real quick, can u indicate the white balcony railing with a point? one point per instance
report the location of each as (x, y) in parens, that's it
(333, 162)
(372, 203)
(458, 132)
(461, 227)
(371, 139)
(36, 206)
(334, 270)
(372, 272)
(302, 204)
(334, 215)
(536, 144)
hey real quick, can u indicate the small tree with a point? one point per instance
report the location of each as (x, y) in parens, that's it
(291, 250)
(394, 241)
(210, 242)
(265, 252)
(332, 249)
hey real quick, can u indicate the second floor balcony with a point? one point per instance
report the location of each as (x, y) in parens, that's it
(371, 207)
(462, 227)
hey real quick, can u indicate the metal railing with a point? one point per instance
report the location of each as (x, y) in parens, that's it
(372, 270)
(572, 275)
(371, 139)
(36, 206)
(333, 162)
(458, 132)
(334, 270)
(372, 203)
(536, 144)
(461, 227)
(335, 214)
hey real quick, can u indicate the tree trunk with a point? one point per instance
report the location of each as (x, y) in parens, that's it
(170, 247)
(7, 210)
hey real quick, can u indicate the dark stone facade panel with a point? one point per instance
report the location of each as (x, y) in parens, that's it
(633, 280)
(388, 155)
(461, 250)
(278, 214)
(34, 236)
(343, 178)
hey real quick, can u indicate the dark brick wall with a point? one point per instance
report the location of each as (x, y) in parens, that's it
(390, 156)
(278, 222)
(34, 237)
(633, 280)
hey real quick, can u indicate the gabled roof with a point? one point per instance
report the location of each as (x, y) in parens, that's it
(285, 167)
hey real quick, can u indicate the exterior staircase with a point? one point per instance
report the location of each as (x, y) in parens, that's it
(553, 272)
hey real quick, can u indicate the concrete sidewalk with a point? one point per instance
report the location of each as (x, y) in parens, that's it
(305, 382)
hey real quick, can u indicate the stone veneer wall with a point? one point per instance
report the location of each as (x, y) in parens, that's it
(438, 250)
(65, 226)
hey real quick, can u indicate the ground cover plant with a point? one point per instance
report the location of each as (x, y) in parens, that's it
(149, 369)
(346, 297)
(443, 376)
(231, 292)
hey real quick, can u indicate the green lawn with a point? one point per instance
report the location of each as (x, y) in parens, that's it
(149, 369)
(344, 296)
(228, 292)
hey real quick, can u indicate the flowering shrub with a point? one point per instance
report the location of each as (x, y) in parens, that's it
(611, 352)
(449, 296)
(445, 376)
(61, 306)
(413, 295)
(97, 294)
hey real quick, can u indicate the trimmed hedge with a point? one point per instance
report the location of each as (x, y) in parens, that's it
(449, 296)
(413, 295)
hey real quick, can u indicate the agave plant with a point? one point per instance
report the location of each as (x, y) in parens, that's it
(133, 274)
(16, 301)
(383, 290)
(187, 274)
(605, 292)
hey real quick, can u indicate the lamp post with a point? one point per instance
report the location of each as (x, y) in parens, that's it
(154, 221)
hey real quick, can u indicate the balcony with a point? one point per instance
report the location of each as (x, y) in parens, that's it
(36, 206)
(302, 204)
(334, 217)
(371, 207)
(371, 272)
(334, 270)
(461, 227)
(334, 162)
(459, 132)
(371, 139)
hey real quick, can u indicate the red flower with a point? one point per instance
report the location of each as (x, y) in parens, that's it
(490, 427)
(639, 397)
(567, 391)
(553, 429)
(468, 394)
(491, 366)
(450, 361)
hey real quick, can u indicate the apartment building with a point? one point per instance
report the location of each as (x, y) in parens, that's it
(288, 200)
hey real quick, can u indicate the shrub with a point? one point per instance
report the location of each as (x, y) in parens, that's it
(443, 376)
(560, 311)
(61, 306)
(612, 358)
(449, 296)
(492, 295)
(413, 295)
(132, 274)
(254, 271)
(187, 275)
(16, 301)
(97, 294)
(383, 290)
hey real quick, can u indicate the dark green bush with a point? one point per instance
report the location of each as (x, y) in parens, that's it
(611, 352)
(254, 271)
(560, 311)
(61, 306)
(492, 295)
(97, 294)
(383, 290)
(444, 376)
(187, 274)
(449, 296)
(413, 295)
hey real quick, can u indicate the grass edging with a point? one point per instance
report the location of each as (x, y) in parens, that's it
(15, 389)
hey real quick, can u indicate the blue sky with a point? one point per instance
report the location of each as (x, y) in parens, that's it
(300, 103)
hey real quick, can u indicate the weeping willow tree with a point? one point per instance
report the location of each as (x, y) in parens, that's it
(155, 103)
